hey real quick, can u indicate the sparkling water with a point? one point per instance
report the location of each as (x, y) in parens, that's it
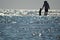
(29, 27)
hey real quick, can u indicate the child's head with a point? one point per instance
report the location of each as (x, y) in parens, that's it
(40, 8)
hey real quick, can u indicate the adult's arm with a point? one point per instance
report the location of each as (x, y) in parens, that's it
(43, 6)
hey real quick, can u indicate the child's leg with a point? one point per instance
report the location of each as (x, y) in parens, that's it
(40, 12)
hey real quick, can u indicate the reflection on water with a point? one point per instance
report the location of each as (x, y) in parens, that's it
(29, 28)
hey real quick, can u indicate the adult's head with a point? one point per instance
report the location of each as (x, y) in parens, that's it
(45, 2)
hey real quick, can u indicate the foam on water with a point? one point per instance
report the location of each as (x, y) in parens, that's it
(17, 12)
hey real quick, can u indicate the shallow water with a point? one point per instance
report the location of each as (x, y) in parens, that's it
(29, 28)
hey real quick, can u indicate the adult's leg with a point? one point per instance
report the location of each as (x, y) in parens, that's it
(45, 13)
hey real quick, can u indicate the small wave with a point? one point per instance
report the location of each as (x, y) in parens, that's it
(16, 12)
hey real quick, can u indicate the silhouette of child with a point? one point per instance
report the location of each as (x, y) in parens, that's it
(40, 11)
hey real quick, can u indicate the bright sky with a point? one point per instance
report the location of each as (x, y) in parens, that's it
(28, 4)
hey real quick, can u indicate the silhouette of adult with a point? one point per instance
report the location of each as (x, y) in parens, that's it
(46, 6)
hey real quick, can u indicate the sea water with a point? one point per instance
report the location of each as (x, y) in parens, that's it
(28, 25)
